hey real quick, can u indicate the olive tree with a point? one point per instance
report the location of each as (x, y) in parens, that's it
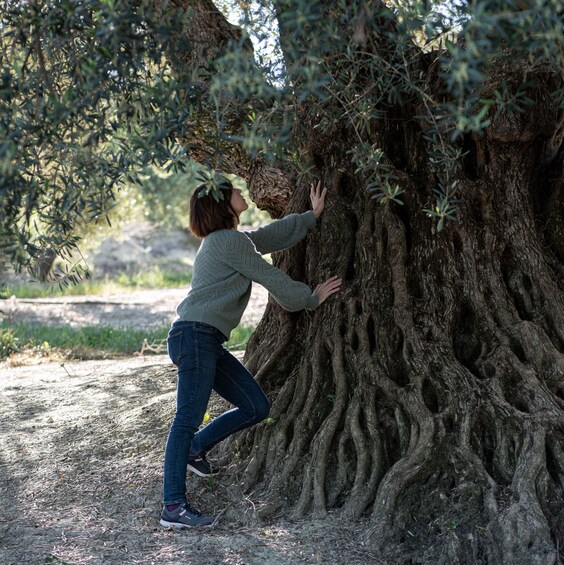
(428, 394)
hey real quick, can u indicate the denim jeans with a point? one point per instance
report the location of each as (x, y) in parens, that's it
(204, 364)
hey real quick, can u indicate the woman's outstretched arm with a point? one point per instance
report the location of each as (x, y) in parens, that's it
(281, 234)
(239, 253)
(288, 231)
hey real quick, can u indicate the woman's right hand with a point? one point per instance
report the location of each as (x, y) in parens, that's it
(326, 289)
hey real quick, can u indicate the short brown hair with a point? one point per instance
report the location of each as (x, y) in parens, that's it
(208, 214)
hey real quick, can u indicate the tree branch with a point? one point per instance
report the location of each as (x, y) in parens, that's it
(205, 36)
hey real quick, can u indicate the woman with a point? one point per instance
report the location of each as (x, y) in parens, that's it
(226, 263)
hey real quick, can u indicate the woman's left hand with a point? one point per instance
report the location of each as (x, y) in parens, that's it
(317, 197)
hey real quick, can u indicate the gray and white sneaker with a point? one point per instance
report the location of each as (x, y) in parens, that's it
(201, 466)
(184, 517)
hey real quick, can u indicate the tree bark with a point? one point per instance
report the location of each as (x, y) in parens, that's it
(206, 36)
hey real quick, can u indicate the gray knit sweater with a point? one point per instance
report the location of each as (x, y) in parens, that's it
(227, 262)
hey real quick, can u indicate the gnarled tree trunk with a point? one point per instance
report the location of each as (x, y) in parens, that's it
(429, 393)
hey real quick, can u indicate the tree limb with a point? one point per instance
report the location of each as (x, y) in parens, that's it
(205, 36)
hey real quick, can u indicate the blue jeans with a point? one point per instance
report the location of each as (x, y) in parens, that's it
(204, 364)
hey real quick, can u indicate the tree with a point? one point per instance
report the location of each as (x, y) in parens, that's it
(86, 102)
(429, 393)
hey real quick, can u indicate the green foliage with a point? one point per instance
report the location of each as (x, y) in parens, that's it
(359, 62)
(212, 183)
(379, 174)
(445, 209)
(85, 101)
(8, 342)
(92, 94)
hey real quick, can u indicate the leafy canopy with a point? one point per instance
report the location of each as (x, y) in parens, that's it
(86, 101)
(91, 92)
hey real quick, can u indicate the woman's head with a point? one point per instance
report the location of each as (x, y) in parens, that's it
(208, 214)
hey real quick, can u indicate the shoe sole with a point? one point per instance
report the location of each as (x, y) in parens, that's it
(199, 473)
(178, 526)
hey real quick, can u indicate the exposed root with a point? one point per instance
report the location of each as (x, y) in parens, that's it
(324, 439)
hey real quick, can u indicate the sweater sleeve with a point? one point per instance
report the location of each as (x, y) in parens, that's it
(239, 253)
(283, 233)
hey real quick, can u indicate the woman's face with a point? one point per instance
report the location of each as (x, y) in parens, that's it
(238, 202)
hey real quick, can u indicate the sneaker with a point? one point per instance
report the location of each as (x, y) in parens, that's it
(184, 517)
(201, 466)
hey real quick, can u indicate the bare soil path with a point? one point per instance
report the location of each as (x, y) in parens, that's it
(81, 447)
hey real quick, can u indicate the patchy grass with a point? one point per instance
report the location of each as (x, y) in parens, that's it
(103, 338)
(91, 342)
(155, 277)
(8, 342)
(239, 338)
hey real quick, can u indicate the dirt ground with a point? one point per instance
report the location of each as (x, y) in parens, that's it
(80, 477)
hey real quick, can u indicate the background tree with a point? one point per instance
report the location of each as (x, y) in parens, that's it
(429, 394)
(86, 102)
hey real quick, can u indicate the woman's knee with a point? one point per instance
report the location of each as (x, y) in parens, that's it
(262, 410)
